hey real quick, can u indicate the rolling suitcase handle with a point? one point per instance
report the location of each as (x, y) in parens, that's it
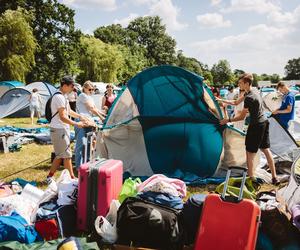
(89, 137)
(233, 199)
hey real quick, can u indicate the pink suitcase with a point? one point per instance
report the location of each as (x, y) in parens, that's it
(99, 183)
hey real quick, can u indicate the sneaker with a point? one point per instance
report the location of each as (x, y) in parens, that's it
(275, 181)
(49, 180)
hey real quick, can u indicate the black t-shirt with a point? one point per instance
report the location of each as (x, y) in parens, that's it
(253, 102)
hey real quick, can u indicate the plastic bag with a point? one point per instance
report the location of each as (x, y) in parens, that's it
(129, 188)
(106, 227)
(67, 189)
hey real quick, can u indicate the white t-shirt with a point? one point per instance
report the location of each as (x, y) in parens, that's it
(35, 99)
(81, 102)
(59, 101)
(232, 96)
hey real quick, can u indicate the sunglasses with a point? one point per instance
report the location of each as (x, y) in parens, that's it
(90, 89)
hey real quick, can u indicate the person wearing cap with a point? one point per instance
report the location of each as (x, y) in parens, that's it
(257, 136)
(60, 127)
(286, 111)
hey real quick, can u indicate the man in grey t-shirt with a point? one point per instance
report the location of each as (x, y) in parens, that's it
(258, 131)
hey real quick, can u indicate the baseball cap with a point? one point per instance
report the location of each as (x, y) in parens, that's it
(67, 80)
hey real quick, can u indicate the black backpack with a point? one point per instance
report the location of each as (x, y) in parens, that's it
(48, 112)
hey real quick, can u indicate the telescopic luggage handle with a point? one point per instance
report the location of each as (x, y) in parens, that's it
(89, 137)
(242, 184)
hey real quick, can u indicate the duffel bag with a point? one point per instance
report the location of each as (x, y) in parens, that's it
(147, 224)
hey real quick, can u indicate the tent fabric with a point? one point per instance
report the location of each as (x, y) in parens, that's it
(282, 142)
(6, 85)
(291, 193)
(166, 120)
(15, 102)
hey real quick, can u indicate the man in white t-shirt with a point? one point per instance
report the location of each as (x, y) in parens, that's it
(60, 127)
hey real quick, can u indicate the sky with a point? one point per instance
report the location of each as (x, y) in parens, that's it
(258, 36)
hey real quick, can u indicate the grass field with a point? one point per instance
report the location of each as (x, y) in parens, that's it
(31, 163)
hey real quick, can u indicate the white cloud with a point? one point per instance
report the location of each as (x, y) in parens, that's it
(213, 20)
(125, 21)
(168, 12)
(107, 5)
(285, 18)
(262, 49)
(215, 2)
(258, 6)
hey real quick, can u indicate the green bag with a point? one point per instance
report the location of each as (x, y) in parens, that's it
(234, 184)
(129, 188)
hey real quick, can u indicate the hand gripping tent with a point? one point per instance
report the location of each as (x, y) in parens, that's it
(15, 101)
(167, 120)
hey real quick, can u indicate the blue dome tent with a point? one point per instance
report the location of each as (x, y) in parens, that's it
(6, 85)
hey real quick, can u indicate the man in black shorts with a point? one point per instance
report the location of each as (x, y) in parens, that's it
(258, 131)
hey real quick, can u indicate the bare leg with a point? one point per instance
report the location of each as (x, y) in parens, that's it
(270, 161)
(55, 165)
(250, 163)
(68, 165)
(31, 116)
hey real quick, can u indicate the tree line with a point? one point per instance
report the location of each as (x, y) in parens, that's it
(39, 42)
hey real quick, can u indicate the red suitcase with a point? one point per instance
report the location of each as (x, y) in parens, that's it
(228, 223)
(99, 183)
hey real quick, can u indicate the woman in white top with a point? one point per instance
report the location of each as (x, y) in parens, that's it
(85, 106)
(35, 104)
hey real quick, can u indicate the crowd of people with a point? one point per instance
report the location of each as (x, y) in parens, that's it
(240, 103)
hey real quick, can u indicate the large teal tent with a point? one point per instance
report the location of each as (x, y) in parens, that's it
(164, 121)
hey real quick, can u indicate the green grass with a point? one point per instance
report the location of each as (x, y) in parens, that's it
(31, 163)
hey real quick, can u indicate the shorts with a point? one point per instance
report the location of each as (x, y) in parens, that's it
(60, 138)
(34, 108)
(257, 137)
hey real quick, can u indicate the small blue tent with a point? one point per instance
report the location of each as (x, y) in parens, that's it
(15, 101)
(6, 85)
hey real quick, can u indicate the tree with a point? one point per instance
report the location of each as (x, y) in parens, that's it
(113, 34)
(208, 77)
(275, 78)
(149, 33)
(54, 29)
(99, 61)
(188, 63)
(256, 78)
(133, 62)
(265, 77)
(221, 72)
(292, 69)
(17, 45)
(238, 72)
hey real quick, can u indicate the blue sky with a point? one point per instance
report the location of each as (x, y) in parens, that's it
(257, 36)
